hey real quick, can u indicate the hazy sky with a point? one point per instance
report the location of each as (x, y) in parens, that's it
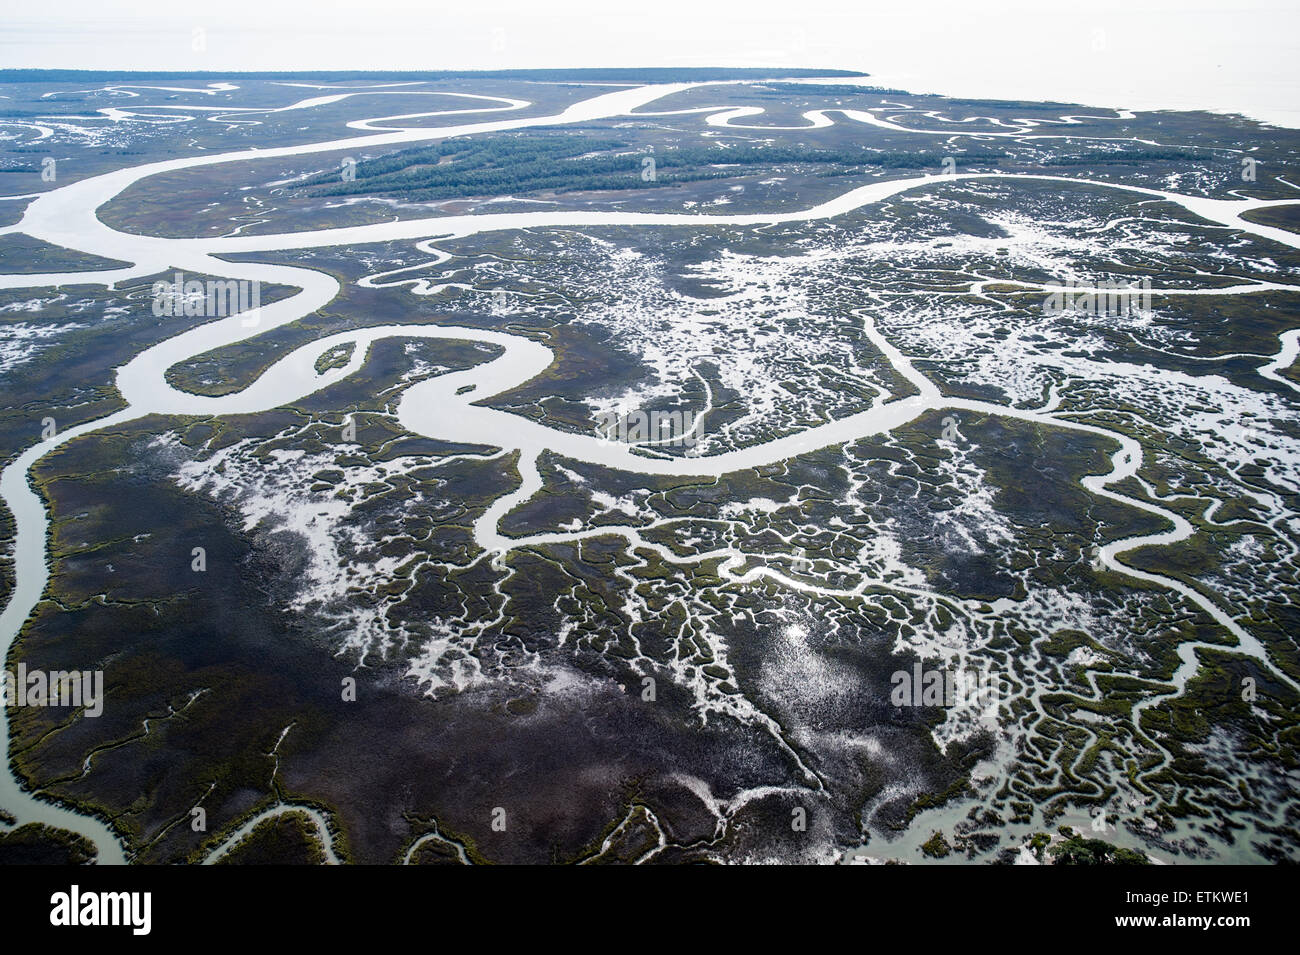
(1137, 53)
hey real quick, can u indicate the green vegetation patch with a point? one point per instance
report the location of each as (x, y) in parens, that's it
(522, 163)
